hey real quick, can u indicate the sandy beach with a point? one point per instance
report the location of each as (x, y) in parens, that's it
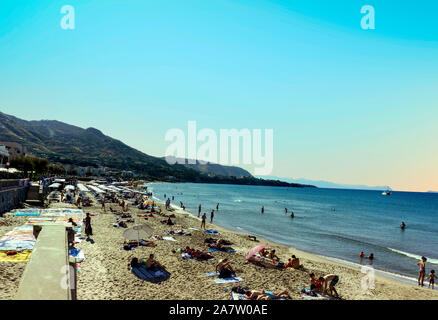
(105, 274)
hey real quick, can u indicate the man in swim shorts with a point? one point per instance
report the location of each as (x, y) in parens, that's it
(331, 280)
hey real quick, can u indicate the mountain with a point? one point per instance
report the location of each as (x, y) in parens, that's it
(63, 143)
(215, 169)
(325, 184)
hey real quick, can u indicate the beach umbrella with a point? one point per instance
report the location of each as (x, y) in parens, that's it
(140, 231)
(256, 249)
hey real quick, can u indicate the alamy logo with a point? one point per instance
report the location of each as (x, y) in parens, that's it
(367, 281)
(68, 20)
(234, 147)
(367, 21)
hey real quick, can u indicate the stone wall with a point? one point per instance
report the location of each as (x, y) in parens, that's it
(11, 194)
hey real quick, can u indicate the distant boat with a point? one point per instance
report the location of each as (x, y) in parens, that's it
(387, 192)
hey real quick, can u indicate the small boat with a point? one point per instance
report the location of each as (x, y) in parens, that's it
(387, 192)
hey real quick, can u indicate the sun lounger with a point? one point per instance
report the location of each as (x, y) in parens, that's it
(155, 275)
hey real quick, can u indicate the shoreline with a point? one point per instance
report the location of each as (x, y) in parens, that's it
(342, 262)
(104, 274)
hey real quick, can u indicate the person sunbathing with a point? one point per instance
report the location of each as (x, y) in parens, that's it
(295, 263)
(195, 253)
(263, 253)
(121, 224)
(152, 263)
(224, 242)
(225, 270)
(273, 256)
(168, 222)
(219, 246)
(265, 295)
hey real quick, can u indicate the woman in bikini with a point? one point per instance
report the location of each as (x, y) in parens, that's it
(422, 271)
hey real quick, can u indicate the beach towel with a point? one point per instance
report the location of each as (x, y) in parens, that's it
(19, 233)
(187, 256)
(211, 231)
(308, 294)
(237, 296)
(226, 250)
(178, 234)
(155, 275)
(223, 280)
(240, 296)
(25, 227)
(79, 255)
(228, 280)
(169, 238)
(194, 229)
(16, 245)
(22, 237)
(22, 256)
(26, 214)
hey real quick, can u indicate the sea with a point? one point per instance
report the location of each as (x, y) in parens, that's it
(334, 223)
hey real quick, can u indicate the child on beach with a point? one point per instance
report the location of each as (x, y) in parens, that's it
(431, 278)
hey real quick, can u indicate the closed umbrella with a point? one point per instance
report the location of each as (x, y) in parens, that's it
(256, 249)
(140, 231)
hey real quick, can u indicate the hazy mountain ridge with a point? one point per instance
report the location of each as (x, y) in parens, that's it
(68, 144)
(325, 184)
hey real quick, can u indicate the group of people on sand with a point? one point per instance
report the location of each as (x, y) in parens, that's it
(325, 284)
(422, 274)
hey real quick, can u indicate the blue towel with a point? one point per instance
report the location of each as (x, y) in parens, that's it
(153, 275)
(211, 231)
(228, 280)
(217, 250)
(26, 214)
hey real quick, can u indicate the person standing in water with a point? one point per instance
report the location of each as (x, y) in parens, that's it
(422, 271)
(217, 207)
(285, 210)
(204, 216)
(211, 216)
(199, 210)
(292, 214)
(263, 209)
(402, 225)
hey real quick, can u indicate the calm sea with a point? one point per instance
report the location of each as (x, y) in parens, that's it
(334, 223)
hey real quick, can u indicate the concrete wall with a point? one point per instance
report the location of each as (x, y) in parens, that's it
(11, 194)
(48, 275)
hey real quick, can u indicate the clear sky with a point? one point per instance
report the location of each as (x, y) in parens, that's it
(347, 105)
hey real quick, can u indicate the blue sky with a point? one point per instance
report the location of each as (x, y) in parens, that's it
(347, 105)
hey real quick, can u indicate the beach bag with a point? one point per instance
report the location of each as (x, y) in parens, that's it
(134, 262)
(239, 289)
